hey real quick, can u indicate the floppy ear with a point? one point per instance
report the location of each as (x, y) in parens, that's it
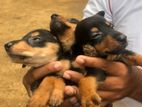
(101, 13)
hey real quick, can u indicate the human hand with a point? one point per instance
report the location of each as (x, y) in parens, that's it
(35, 74)
(118, 84)
(72, 92)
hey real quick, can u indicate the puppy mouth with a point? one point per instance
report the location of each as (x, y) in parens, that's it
(120, 49)
(123, 45)
(17, 56)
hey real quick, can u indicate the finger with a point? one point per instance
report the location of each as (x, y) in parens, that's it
(109, 96)
(112, 84)
(71, 91)
(35, 74)
(110, 67)
(46, 69)
(72, 75)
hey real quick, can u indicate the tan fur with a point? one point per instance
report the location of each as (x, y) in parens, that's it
(88, 87)
(67, 39)
(107, 45)
(35, 56)
(94, 29)
(34, 34)
(50, 91)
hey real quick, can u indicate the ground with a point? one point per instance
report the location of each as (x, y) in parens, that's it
(17, 17)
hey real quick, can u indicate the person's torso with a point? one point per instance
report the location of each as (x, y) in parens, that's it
(127, 18)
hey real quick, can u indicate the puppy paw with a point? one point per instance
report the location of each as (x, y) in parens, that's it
(56, 98)
(93, 100)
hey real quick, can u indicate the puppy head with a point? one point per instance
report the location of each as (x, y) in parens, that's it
(98, 32)
(63, 29)
(36, 48)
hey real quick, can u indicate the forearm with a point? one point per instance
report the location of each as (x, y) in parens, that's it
(137, 92)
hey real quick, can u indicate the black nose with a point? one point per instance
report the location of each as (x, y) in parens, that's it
(8, 45)
(122, 38)
(54, 16)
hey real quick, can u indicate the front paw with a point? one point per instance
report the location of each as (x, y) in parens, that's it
(56, 98)
(92, 100)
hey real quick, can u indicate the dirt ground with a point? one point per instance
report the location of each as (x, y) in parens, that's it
(18, 17)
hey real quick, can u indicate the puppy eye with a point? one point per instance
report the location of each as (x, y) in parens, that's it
(33, 41)
(36, 39)
(96, 35)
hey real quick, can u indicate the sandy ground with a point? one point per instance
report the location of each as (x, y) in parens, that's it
(18, 17)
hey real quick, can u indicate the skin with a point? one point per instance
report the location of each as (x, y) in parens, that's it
(121, 82)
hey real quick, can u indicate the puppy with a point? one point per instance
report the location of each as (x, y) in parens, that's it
(104, 40)
(63, 28)
(35, 49)
(98, 36)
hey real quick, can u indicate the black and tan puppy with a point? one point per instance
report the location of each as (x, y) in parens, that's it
(98, 34)
(107, 42)
(37, 48)
(63, 28)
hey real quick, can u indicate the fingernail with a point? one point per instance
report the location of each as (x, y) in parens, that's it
(80, 60)
(66, 75)
(57, 66)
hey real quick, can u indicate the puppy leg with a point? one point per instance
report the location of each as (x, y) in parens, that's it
(88, 88)
(57, 96)
(41, 95)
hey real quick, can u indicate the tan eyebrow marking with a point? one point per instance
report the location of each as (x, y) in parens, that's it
(35, 34)
(94, 29)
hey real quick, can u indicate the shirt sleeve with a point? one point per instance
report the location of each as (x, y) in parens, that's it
(94, 6)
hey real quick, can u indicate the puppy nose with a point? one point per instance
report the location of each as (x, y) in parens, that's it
(54, 16)
(122, 38)
(8, 45)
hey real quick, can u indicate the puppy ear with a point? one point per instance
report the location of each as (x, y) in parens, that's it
(101, 13)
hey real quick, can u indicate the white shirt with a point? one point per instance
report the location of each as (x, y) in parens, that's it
(126, 15)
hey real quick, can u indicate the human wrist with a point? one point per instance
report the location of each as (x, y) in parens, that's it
(136, 92)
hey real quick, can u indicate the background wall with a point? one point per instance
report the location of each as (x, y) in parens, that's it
(18, 17)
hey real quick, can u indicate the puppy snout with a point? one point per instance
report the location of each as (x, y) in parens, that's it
(54, 16)
(8, 45)
(122, 38)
